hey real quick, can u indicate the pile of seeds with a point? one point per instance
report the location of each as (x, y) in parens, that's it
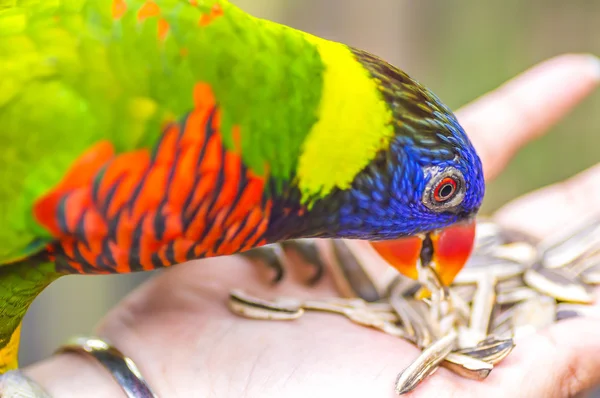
(512, 286)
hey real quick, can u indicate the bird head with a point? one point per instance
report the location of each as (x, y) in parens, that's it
(416, 197)
(421, 195)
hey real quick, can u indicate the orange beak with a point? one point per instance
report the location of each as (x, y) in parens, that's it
(448, 251)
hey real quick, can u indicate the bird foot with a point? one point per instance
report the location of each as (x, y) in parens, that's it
(276, 257)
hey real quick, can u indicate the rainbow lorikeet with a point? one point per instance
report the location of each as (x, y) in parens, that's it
(139, 134)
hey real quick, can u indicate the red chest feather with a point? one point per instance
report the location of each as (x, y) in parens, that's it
(189, 198)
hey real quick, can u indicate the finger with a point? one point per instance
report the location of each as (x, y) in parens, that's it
(524, 108)
(550, 209)
(561, 361)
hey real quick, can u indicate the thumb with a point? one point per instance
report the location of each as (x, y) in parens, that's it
(560, 361)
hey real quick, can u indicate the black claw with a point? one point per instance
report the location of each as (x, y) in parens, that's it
(274, 257)
(307, 249)
(271, 256)
(356, 280)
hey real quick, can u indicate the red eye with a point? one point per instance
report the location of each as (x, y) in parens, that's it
(445, 190)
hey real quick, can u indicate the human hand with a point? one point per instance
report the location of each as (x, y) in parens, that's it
(178, 330)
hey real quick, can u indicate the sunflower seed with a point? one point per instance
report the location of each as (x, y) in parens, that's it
(467, 366)
(350, 275)
(248, 306)
(568, 310)
(516, 295)
(559, 284)
(465, 292)
(501, 324)
(426, 363)
(376, 315)
(584, 264)
(460, 306)
(414, 316)
(510, 284)
(481, 311)
(380, 307)
(533, 315)
(591, 276)
(565, 247)
(501, 270)
(519, 252)
(490, 235)
(511, 287)
(491, 350)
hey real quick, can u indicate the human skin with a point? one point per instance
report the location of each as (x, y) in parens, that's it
(178, 330)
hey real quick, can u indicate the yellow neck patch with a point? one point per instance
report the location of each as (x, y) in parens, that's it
(354, 124)
(9, 353)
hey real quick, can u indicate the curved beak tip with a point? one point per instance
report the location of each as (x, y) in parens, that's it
(452, 247)
(402, 254)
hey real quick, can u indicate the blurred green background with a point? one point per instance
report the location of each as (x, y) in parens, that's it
(460, 49)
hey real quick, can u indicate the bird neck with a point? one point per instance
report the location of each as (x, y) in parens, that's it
(20, 283)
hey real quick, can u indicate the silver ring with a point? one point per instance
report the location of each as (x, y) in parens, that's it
(121, 367)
